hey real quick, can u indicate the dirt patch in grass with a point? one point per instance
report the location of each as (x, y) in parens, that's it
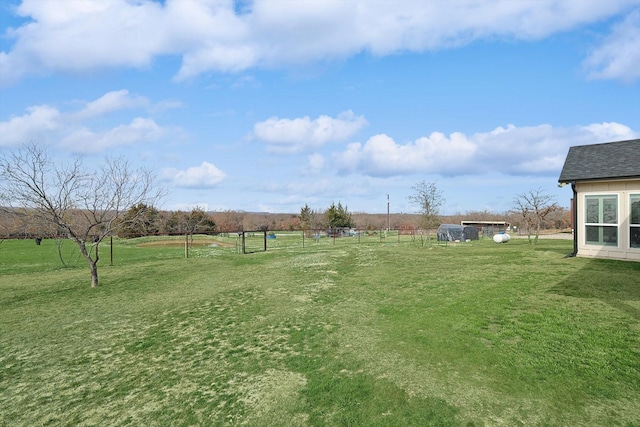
(173, 243)
(269, 396)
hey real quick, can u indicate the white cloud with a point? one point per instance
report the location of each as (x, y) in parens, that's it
(165, 105)
(110, 102)
(316, 164)
(206, 175)
(609, 131)
(84, 35)
(537, 150)
(86, 141)
(619, 55)
(73, 130)
(34, 126)
(295, 135)
(382, 156)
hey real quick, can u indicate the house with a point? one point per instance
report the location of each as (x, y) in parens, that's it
(605, 179)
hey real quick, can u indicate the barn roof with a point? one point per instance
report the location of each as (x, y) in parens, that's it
(620, 159)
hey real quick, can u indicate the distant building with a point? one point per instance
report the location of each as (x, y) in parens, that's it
(605, 179)
(488, 228)
(456, 233)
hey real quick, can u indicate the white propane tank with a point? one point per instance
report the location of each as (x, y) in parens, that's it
(501, 238)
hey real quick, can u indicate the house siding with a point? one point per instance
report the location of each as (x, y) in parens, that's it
(623, 189)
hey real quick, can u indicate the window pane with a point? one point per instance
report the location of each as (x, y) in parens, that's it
(593, 234)
(634, 237)
(610, 236)
(610, 210)
(635, 209)
(602, 235)
(601, 209)
(593, 209)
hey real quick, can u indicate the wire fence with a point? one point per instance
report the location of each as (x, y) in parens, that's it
(295, 239)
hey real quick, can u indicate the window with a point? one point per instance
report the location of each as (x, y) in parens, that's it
(634, 221)
(601, 220)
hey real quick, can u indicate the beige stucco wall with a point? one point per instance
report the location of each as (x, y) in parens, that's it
(623, 189)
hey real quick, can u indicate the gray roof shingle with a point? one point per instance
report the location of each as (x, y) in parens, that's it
(620, 159)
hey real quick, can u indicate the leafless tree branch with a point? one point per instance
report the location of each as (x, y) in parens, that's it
(82, 204)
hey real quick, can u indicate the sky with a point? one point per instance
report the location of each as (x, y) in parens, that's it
(271, 105)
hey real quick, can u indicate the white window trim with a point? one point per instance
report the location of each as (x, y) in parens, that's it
(587, 224)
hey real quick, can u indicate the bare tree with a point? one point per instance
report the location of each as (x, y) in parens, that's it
(197, 221)
(312, 220)
(83, 204)
(428, 199)
(229, 221)
(533, 206)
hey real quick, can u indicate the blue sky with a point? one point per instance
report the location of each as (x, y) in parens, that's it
(269, 105)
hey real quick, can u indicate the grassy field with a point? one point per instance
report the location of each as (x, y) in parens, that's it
(385, 334)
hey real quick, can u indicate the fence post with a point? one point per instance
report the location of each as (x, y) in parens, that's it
(186, 245)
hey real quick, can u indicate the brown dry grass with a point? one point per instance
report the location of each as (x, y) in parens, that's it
(176, 243)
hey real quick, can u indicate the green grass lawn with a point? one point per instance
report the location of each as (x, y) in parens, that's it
(391, 333)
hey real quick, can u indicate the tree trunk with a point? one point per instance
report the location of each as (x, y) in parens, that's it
(94, 274)
(94, 269)
(93, 263)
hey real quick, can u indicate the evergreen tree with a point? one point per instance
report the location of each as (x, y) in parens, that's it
(139, 220)
(339, 216)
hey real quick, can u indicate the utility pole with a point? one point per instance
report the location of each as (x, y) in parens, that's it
(388, 215)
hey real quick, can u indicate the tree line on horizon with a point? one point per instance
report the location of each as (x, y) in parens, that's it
(146, 220)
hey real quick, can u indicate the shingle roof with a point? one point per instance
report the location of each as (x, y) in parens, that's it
(619, 159)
